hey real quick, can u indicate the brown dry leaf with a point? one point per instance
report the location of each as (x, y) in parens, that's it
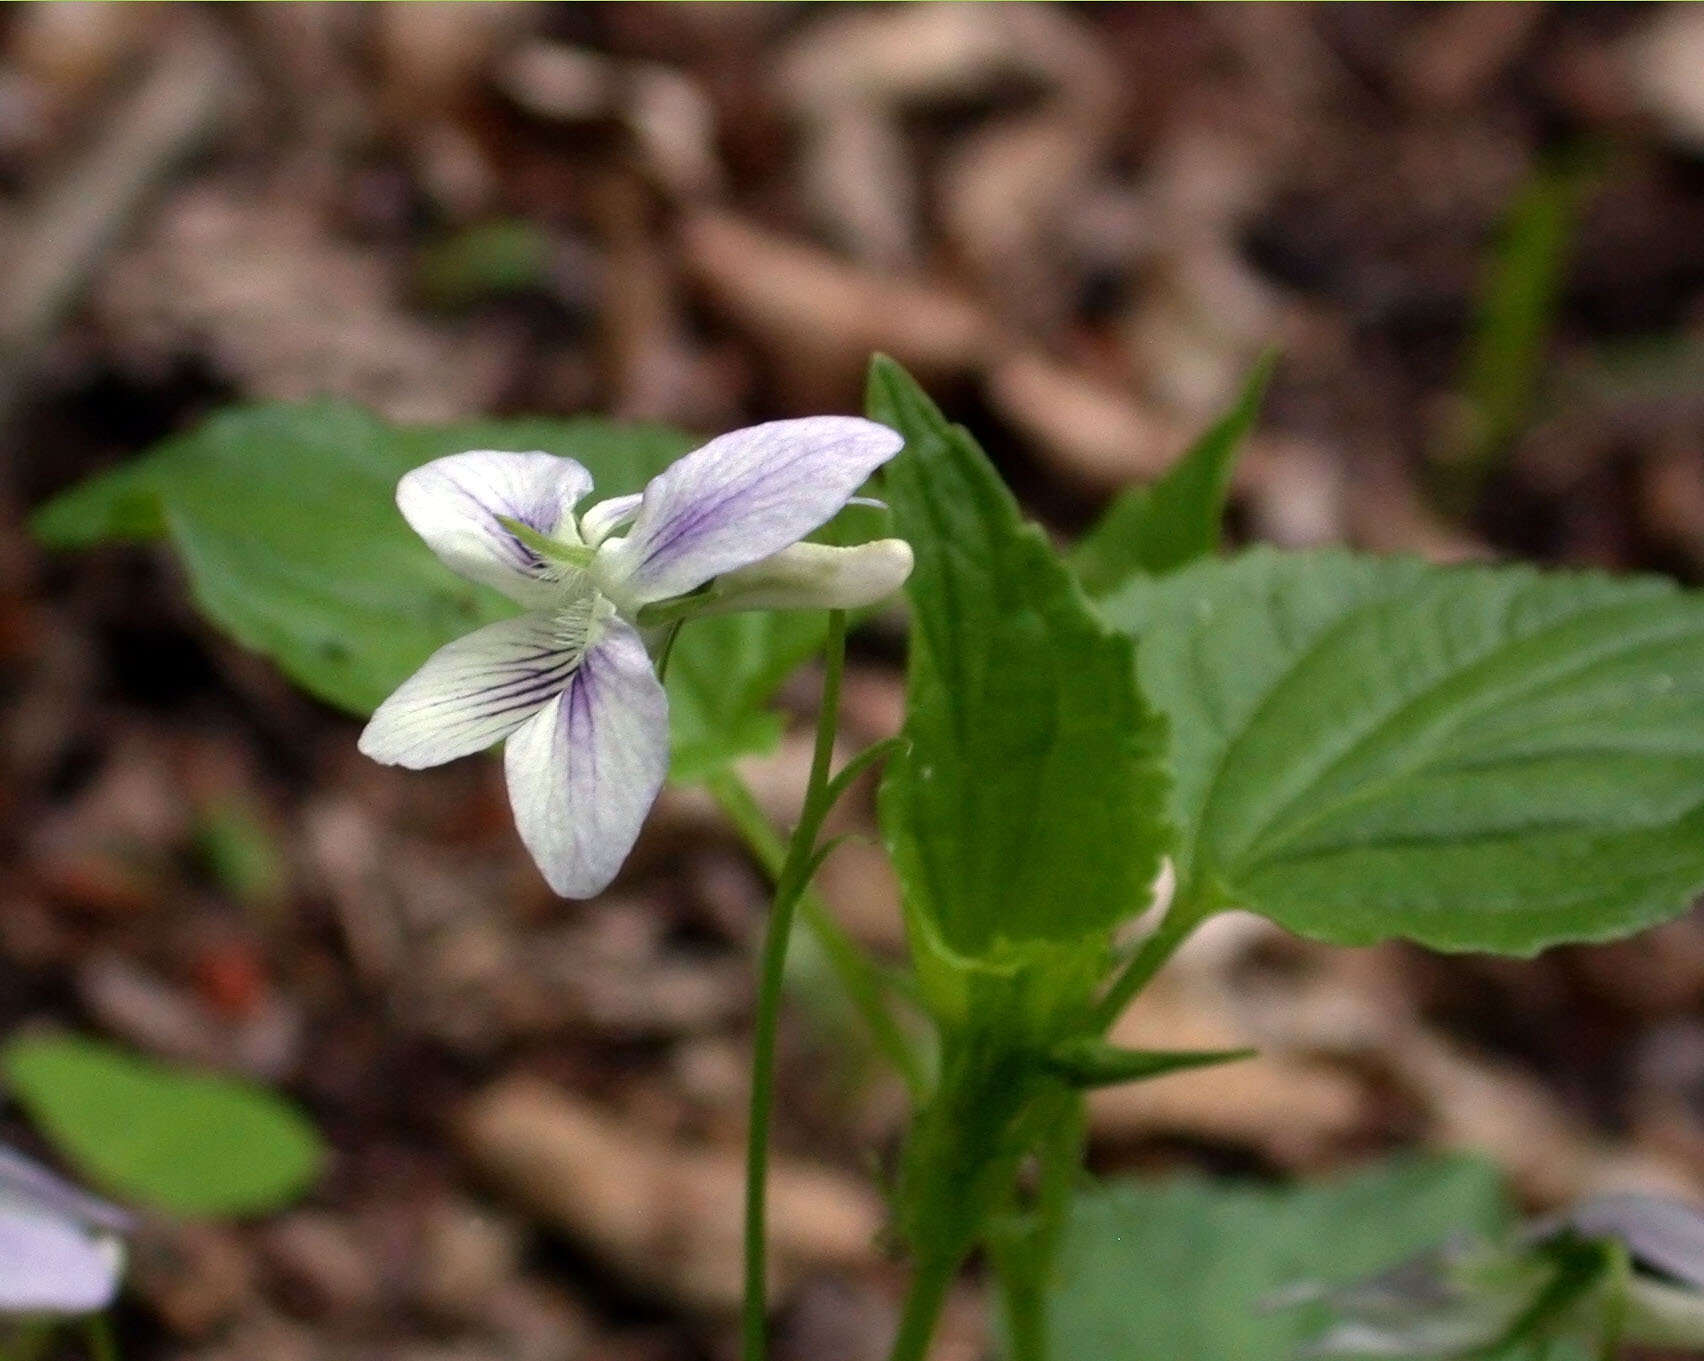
(1498, 1112)
(823, 316)
(286, 310)
(671, 120)
(1665, 61)
(321, 1265)
(666, 1215)
(862, 892)
(1294, 491)
(432, 58)
(856, 172)
(1296, 1111)
(913, 54)
(467, 1254)
(1003, 194)
(1385, 513)
(138, 1006)
(194, 1277)
(1204, 318)
(1462, 49)
(1094, 433)
(72, 50)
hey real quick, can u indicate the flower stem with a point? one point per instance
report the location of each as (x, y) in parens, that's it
(923, 1305)
(859, 976)
(1181, 918)
(790, 885)
(103, 1345)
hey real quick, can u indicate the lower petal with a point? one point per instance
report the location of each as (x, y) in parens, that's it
(473, 692)
(585, 770)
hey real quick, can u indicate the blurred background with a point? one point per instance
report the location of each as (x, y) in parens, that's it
(1475, 232)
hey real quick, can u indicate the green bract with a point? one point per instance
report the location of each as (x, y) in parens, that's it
(1475, 758)
(285, 518)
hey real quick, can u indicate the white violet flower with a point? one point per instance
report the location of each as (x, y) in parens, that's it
(570, 683)
(61, 1250)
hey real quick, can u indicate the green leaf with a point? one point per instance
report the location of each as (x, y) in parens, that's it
(187, 1143)
(1180, 517)
(286, 522)
(721, 675)
(1475, 758)
(489, 259)
(1085, 1061)
(1186, 1269)
(1520, 299)
(1029, 805)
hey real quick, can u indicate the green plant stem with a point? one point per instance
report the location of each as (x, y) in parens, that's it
(1023, 1264)
(923, 1304)
(790, 885)
(859, 975)
(26, 1341)
(1181, 918)
(103, 1345)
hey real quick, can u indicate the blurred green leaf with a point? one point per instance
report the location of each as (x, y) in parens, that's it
(1187, 1269)
(485, 260)
(1179, 518)
(1475, 758)
(240, 853)
(1520, 296)
(286, 522)
(1029, 806)
(187, 1143)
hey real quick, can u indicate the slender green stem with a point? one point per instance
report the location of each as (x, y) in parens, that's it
(103, 1345)
(859, 975)
(1181, 918)
(25, 1341)
(923, 1305)
(790, 885)
(1025, 1268)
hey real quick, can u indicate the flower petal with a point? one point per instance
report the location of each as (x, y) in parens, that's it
(477, 690)
(815, 576)
(48, 1266)
(585, 770)
(25, 1182)
(739, 498)
(455, 503)
(603, 519)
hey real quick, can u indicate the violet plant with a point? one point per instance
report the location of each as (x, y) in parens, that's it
(1485, 758)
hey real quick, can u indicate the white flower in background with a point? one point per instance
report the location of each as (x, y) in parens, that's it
(61, 1250)
(1614, 1268)
(570, 683)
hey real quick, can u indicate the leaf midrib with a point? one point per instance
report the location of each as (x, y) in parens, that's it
(1256, 850)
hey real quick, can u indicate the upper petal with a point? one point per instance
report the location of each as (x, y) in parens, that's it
(49, 1266)
(739, 498)
(476, 690)
(585, 770)
(455, 504)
